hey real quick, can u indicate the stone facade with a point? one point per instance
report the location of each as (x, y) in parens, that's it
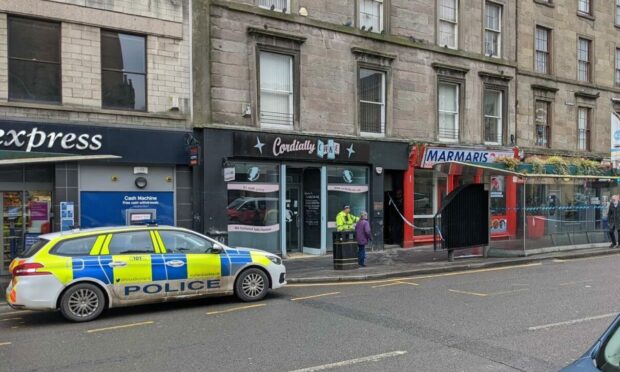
(331, 52)
(561, 87)
(166, 27)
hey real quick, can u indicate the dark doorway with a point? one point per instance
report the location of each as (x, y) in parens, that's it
(293, 207)
(393, 207)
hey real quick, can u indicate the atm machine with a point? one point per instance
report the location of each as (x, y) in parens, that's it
(140, 216)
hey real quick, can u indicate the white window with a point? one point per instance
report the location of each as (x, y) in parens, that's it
(448, 23)
(372, 101)
(279, 5)
(492, 116)
(618, 66)
(541, 63)
(585, 6)
(371, 15)
(448, 112)
(583, 60)
(583, 132)
(541, 116)
(617, 12)
(492, 29)
(276, 89)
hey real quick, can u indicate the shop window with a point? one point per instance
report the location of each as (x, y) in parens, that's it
(253, 206)
(448, 111)
(498, 204)
(123, 71)
(543, 130)
(429, 190)
(492, 29)
(543, 50)
(371, 15)
(345, 186)
(372, 101)
(135, 242)
(276, 5)
(75, 247)
(493, 124)
(276, 89)
(583, 129)
(34, 60)
(448, 23)
(583, 59)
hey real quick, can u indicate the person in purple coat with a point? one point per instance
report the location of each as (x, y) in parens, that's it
(363, 236)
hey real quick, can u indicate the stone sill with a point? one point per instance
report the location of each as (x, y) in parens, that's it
(89, 110)
(587, 16)
(556, 79)
(547, 4)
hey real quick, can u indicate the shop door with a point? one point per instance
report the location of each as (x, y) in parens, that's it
(293, 217)
(12, 227)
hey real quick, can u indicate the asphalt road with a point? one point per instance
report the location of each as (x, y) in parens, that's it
(536, 317)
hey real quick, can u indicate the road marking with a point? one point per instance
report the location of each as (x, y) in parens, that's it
(576, 282)
(120, 327)
(5, 343)
(314, 296)
(7, 319)
(574, 321)
(398, 282)
(558, 260)
(372, 358)
(508, 292)
(468, 293)
(235, 309)
(431, 276)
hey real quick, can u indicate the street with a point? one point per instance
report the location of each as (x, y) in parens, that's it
(533, 317)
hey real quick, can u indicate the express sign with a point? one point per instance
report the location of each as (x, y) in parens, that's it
(434, 155)
(36, 139)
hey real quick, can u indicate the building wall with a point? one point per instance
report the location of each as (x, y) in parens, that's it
(328, 68)
(567, 26)
(166, 27)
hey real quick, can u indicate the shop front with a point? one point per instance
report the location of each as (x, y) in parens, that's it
(55, 177)
(426, 187)
(282, 192)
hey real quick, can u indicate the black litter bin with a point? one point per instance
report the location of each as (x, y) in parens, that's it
(345, 250)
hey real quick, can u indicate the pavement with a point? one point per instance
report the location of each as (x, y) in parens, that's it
(397, 262)
(535, 317)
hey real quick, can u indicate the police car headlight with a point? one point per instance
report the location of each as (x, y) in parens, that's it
(275, 259)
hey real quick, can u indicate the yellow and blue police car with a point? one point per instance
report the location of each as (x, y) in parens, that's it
(83, 272)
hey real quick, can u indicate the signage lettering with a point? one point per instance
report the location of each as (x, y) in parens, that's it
(279, 148)
(168, 287)
(435, 155)
(35, 139)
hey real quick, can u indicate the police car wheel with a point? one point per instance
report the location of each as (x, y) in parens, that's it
(82, 302)
(251, 285)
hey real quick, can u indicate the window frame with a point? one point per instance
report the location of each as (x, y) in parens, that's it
(288, 7)
(586, 130)
(114, 234)
(588, 62)
(457, 121)
(589, 4)
(498, 32)
(617, 69)
(384, 87)
(548, 123)
(59, 245)
(212, 242)
(9, 58)
(295, 55)
(617, 14)
(383, 18)
(146, 70)
(455, 23)
(548, 52)
(502, 114)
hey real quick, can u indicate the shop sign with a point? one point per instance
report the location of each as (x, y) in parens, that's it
(229, 174)
(435, 155)
(615, 140)
(108, 208)
(497, 186)
(194, 156)
(67, 215)
(352, 189)
(36, 138)
(273, 146)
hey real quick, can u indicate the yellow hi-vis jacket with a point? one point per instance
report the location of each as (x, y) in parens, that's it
(345, 221)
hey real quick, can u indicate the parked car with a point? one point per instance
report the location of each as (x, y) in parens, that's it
(604, 355)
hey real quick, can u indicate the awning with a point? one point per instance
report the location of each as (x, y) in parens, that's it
(8, 157)
(521, 170)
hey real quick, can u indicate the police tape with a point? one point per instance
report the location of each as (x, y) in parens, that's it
(409, 223)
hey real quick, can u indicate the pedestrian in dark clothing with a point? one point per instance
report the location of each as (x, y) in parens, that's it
(613, 220)
(363, 237)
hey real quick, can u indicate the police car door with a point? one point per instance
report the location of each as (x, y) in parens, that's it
(198, 269)
(132, 260)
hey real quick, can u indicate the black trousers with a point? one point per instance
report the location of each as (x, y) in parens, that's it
(612, 235)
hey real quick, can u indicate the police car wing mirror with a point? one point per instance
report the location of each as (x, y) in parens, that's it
(217, 248)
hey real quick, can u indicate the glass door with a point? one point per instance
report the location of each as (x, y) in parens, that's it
(12, 227)
(293, 217)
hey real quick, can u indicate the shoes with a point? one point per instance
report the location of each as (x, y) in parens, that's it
(362, 265)
(612, 245)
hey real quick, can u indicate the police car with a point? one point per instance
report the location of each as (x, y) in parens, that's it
(83, 272)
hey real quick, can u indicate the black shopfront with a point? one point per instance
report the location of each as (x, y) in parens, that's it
(281, 192)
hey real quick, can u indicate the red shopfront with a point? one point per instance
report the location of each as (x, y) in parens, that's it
(424, 190)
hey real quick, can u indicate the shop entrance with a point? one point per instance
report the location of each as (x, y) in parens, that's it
(293, 207)
(303, 209)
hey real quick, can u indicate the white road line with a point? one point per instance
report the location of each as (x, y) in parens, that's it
(5, 343)
(315, 296)
(235, 309)
(7, 319)
(120, 327)
(574, 321)
(372, 358)
(468, 293)
(398, 282)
